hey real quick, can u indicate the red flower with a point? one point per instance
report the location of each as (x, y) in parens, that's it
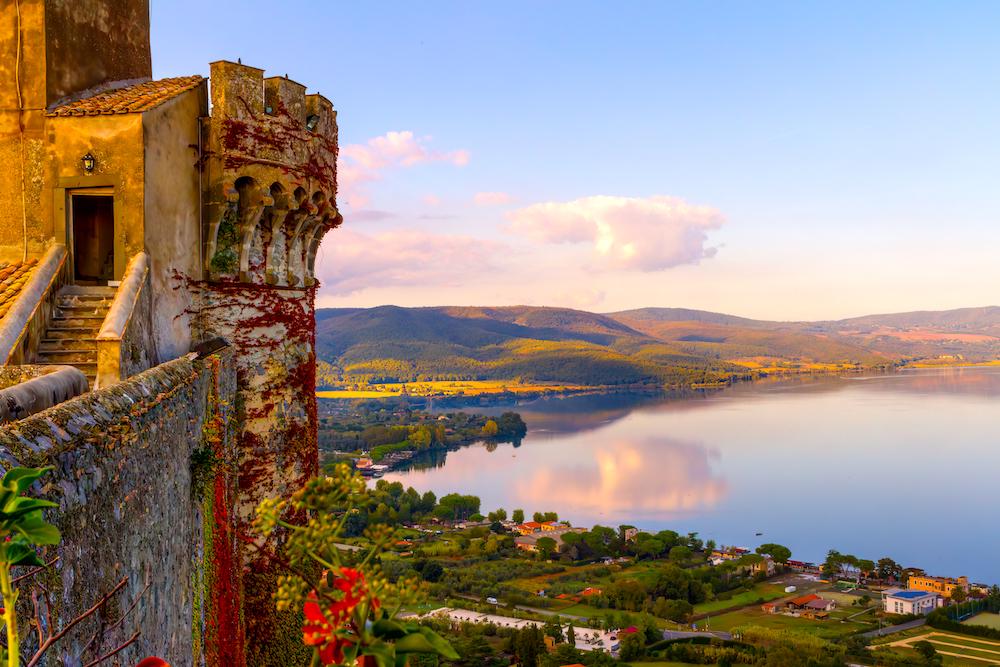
(320, 628)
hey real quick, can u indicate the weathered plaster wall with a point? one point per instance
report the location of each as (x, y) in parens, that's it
(125, 343)
(173, 215)
(66, 46)
(116, 141)
(133, 486)
(91, 42)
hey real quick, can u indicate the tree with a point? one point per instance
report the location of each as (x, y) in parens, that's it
(927, 652)
(546, 547)
(887, 568)
(432, 571)
(649, 547)
(779, 553)
(528, 645)
(501, 514)
(959, 594)
(680, 554)
(511, 425)
(673, 610)
(553, 628)
(631, 646)
(570, 635)
(517, 516)
(710, 545)
(490, 429)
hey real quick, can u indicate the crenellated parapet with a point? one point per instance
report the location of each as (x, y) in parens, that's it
(270, 177)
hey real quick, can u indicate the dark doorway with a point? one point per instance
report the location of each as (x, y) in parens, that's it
(93, 238)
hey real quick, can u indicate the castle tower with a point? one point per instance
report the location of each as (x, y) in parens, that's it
(270, 175)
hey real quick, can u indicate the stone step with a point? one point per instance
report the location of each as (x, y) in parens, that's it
(88, 368)
(88, 290)
(76, 321)
(71, 333)
(71, 343)
(75, 303)
(69, 357)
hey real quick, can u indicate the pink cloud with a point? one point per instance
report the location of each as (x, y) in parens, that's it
(360, 164)
(431, 200)
(350, 261)
(492, 198)
(647, 234)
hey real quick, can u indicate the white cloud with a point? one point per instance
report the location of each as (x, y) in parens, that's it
(492, 198)
(648, 234)
(350, 261)
(360, 164)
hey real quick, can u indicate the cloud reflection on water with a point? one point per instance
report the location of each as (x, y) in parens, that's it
(628, 479)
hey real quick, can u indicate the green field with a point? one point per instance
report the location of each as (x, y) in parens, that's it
(955, 649)
(765, 592)
(828, 629)
(985, 618)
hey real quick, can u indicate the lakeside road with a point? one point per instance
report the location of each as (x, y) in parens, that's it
(892, 629)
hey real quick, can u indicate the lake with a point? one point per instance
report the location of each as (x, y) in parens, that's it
(904, 465)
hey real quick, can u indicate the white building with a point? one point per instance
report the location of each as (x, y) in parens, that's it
(905, 601)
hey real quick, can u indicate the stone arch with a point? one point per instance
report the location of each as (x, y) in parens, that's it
(272, 234)
(252, 200)
(297, 246)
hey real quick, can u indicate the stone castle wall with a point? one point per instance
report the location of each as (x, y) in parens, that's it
(144, 485)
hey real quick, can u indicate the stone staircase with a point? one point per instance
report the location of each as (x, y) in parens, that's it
(76, 320)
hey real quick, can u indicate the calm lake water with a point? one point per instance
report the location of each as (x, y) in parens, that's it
(904, 465)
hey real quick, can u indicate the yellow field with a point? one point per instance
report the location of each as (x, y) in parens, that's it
(774, 366)
(450, 388)
(938, 363)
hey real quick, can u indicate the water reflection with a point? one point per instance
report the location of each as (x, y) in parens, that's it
(865, 465)
(627, 480)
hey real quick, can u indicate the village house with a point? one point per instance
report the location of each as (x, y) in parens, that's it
(529, 527)
(909, 601)
(943, 586)
(529, 542)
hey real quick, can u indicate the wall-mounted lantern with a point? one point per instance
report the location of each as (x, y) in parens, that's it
(89, 162)
(311, 122)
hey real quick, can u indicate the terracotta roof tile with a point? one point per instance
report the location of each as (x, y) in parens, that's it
(13, 276)
(135, 98)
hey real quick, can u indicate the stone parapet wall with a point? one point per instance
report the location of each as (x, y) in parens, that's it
(144, 490)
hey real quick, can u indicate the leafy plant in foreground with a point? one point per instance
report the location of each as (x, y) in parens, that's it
(347, 621)
(22, 527)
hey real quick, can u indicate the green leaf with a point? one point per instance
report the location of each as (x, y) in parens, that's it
(386, 629)
(19, 479)
(37, 530)
(426, 641)
(384, 654)
(439, 643)
(19, 553)
(23, 505)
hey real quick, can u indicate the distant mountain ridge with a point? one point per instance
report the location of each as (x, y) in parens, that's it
(647, 345)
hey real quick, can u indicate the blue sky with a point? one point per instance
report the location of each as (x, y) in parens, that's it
(781, 160)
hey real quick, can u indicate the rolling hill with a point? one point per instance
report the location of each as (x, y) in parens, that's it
(649, 345)
(532, 344)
